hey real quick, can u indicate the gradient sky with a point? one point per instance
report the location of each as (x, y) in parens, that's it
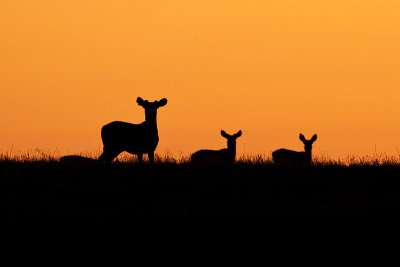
(270, 68)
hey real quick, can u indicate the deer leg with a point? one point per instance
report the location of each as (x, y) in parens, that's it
(140, 158)
(108, 155)
(101, 158)
(151, 158)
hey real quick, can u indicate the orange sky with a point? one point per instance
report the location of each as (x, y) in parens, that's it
(270, 68)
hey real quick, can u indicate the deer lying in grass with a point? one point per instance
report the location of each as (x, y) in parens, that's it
(136, 139)
(76, 160)
(290, 157)
(223, 156)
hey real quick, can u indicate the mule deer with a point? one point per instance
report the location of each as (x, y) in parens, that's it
(290, 157)
(226, 155)
(136, 139)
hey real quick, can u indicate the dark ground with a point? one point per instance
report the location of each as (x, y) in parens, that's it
(52, 190)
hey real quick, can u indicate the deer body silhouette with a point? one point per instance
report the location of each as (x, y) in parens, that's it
(136, 139)
(290, 157)
(226, 155)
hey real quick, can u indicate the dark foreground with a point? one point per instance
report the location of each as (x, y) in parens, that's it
(51, 190)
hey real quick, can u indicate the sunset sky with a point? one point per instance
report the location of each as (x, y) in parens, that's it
(272, 69)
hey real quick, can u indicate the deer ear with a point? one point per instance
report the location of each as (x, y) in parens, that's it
(224, 134)
(238, 134)
(314, 138)
(301, 137)
(162, 102)
(140, 101)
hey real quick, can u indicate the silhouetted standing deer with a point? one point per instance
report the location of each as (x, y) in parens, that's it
(290, 157)
(136, 139)
(226, 155)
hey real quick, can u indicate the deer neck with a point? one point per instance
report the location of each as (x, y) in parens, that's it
(308, 153)
(232, 148)
(151, 121)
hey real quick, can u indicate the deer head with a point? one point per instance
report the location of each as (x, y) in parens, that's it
(308, 143)
(231, 138)
(150, 108)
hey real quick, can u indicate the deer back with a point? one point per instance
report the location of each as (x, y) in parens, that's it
(133, 138)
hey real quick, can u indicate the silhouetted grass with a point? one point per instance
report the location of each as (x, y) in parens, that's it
(38, 186)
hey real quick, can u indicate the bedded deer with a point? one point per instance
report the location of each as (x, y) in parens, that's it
(223, 156)
(136, 139)
(76, 160)
(290, 157)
